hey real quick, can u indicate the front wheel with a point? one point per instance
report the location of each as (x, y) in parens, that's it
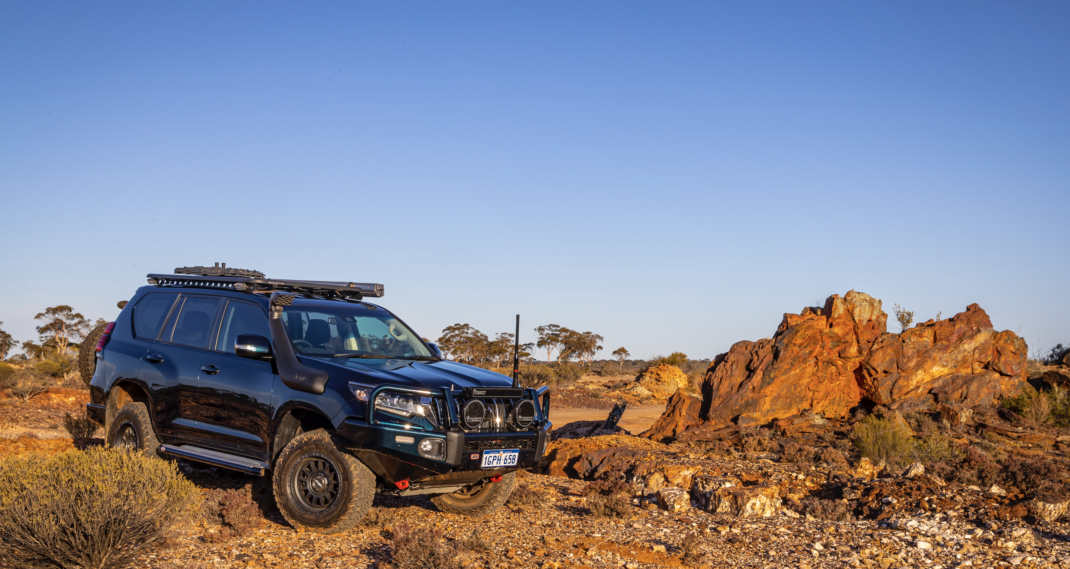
(320, 488)
(477, 501)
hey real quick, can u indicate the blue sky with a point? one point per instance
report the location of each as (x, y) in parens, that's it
(673, 176)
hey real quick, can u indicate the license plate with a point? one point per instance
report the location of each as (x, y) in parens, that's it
(500, 458)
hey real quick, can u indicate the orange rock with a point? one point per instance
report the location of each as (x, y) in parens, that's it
(680, 413)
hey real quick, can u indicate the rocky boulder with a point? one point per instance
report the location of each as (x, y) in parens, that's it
(681, 412)
(659, 382)
(825, 361)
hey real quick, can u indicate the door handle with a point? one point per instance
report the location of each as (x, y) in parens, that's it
(210, 369)
(154, 358)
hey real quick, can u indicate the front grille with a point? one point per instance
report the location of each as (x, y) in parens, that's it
(478, 445)
(498, 419)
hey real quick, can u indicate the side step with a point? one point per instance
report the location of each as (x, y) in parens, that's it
(215, 458)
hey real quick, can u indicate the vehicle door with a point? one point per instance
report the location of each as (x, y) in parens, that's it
(173, 364)
(150, 314)
(234, 393)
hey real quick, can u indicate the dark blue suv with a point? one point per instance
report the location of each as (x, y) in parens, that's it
(334, 396)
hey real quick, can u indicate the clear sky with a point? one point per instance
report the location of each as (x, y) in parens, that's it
(671, 175)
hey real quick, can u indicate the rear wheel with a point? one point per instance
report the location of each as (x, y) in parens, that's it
(132, 430)
(477, 501)
(320, 488)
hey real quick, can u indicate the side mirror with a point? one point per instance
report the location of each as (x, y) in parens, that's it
(435, 351)
(253, 347)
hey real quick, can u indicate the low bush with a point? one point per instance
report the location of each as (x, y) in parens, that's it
(49, 368)
(794, 452)
(1056, 355)
(568, 373)
(615, 506)
(978, 469)
(535, 376)
(29, 385)
(833, 458)
(610, 369)
(757, 440)
(95, 509)
(691, 547)
(7, 376)
(379, 516)
(476, 543)
(525, 496)
(1032, 405)
(832, 510)
(1032, 475)
(233, 510)
(422, 548)
(606, 487)
(922, 423)
(81, 428)
(936, 448)
(883, 440)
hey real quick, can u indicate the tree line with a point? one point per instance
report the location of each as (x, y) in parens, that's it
(464, 343)
(60, 330)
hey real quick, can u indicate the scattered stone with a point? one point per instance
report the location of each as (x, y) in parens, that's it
(674, 500)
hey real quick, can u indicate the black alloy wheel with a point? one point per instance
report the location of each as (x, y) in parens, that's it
(131, 430)
(127, 438)
(315, 482)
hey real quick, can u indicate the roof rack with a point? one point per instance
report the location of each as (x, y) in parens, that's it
(242, 280)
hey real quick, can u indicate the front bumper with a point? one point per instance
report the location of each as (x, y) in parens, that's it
(378, 447)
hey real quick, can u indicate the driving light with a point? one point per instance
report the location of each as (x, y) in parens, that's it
(434, 449)
(524, 413)
(474, 413)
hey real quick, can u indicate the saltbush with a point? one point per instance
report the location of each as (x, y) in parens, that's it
(81, 428)
(49, 368)
(233, 510)
(422, 548)
(525, 496)
(28, 385)
(614, 506)
(883, 440)
(95, 509)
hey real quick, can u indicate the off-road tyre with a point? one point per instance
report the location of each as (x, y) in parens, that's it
(132, 430)
(478, 502)
(312, 459)
(87, 354)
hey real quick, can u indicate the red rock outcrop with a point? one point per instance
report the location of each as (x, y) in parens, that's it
(681, 412)
(828, 360)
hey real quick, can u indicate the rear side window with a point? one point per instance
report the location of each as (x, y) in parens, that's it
(150, 312)
(240, 318)
(194, 322)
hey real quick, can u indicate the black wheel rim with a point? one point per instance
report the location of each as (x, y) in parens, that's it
(315, 483)
(126, 438)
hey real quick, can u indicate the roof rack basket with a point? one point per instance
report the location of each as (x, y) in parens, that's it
(242, 280)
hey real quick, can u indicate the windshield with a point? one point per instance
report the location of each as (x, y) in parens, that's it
(350, 331)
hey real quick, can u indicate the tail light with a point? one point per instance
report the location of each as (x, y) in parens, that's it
(105, 337)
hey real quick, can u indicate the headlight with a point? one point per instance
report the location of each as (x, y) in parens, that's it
(399, 404)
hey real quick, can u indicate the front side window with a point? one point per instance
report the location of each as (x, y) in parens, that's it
(195, 321)
(350, 331)
(240, 318)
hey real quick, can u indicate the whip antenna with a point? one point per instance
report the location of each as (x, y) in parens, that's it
(516, 355)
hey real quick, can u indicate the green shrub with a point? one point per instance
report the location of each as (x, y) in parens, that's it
(568, 373)
(883, 440)
(1041, 407)
(49, 368)
(7, 376)
(610, 369)
(936, 448)
(81, 428)
(28, 385)
(535, 376)
(97, 509)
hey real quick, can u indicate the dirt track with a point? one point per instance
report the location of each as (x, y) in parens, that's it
(636, 418)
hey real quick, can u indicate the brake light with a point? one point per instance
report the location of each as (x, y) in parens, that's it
(104, 337)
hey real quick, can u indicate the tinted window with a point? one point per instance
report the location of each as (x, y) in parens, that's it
(150, 312)
(345, 329)
(195, 321)
(241, 318)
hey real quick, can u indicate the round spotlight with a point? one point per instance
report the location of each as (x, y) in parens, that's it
(524, 413)
(474, 413)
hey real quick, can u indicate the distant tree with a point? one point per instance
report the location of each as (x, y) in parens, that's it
(621, 354)
(582, 346)
(61, 327)
(31, 349)
(501, 348)
(905, 317)
(550, 337)
(462, 342)
(7, 343)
